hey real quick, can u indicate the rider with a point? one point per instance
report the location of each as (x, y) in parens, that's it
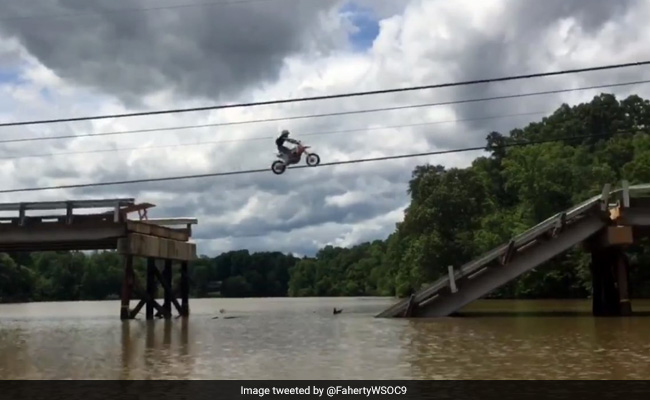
(284, 137)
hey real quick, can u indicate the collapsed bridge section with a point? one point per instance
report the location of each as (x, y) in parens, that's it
(61, 227)
(605, 224)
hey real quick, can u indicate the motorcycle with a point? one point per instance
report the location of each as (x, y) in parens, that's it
(279, 166)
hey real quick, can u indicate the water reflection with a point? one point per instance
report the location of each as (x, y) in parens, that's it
(301, 339)
(156, 349)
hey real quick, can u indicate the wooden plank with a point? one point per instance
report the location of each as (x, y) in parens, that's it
(617, 236)
(137, 308)
(173, 221)
(145, 228)
(156, 247)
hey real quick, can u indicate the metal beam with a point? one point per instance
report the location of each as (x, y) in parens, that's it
(493, 278)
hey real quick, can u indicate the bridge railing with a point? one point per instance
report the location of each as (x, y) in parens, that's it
(69, 206)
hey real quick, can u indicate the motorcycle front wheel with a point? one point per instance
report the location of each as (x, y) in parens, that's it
(313, 159)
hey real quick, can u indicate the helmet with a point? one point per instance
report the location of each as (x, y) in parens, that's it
(284, 133)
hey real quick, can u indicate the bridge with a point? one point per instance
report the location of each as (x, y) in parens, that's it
(164, 241)
(604, 224)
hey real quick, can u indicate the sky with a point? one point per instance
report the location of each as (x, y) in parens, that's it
(66, 58)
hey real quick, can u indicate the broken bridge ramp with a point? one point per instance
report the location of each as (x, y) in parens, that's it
(524, 252)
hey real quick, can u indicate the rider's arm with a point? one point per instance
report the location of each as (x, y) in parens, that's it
(294, 141)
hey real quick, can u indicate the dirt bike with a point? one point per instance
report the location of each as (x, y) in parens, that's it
(279, 166)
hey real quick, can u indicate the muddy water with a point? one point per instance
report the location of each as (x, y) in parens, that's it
(301, 339)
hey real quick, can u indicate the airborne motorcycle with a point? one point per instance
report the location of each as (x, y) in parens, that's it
(279, 166)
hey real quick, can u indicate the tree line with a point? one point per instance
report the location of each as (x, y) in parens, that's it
(455, 214)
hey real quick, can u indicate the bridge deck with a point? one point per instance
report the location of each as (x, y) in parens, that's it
(154, 239)
(94, 231)
(528, 250)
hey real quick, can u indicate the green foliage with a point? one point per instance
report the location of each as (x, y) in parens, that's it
(61, 276)
(454, 216)
(457, 214)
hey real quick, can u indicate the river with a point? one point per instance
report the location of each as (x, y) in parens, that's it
(298, 338)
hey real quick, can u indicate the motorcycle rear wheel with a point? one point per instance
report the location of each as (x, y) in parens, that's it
(278, 167)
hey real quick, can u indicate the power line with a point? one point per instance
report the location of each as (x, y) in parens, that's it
(332, 114)
(137, 9)
(328, 97)
(318, 133)
(266, 170)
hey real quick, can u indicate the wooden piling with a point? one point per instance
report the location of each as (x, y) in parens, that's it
(167, 279)
(151, 287)
(127, 287)
(185, 290)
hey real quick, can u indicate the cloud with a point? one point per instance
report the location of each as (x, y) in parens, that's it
(211, 50)
(419, 42)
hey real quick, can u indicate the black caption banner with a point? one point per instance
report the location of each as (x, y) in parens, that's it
(385, 390)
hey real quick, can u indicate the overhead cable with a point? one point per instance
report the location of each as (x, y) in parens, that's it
(318, 133)
(267, 170)
(332, 114)
(328, 97)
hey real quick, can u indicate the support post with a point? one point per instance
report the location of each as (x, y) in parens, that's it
(609, 269)
(623, 272)
(452, 279)
(604, 294)
(127, 286)
(626, 194)
(185, 290)
(604, 197)
(151, 286)
(69, 211)
(167, 277)
(21, 215)
(411, 307)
